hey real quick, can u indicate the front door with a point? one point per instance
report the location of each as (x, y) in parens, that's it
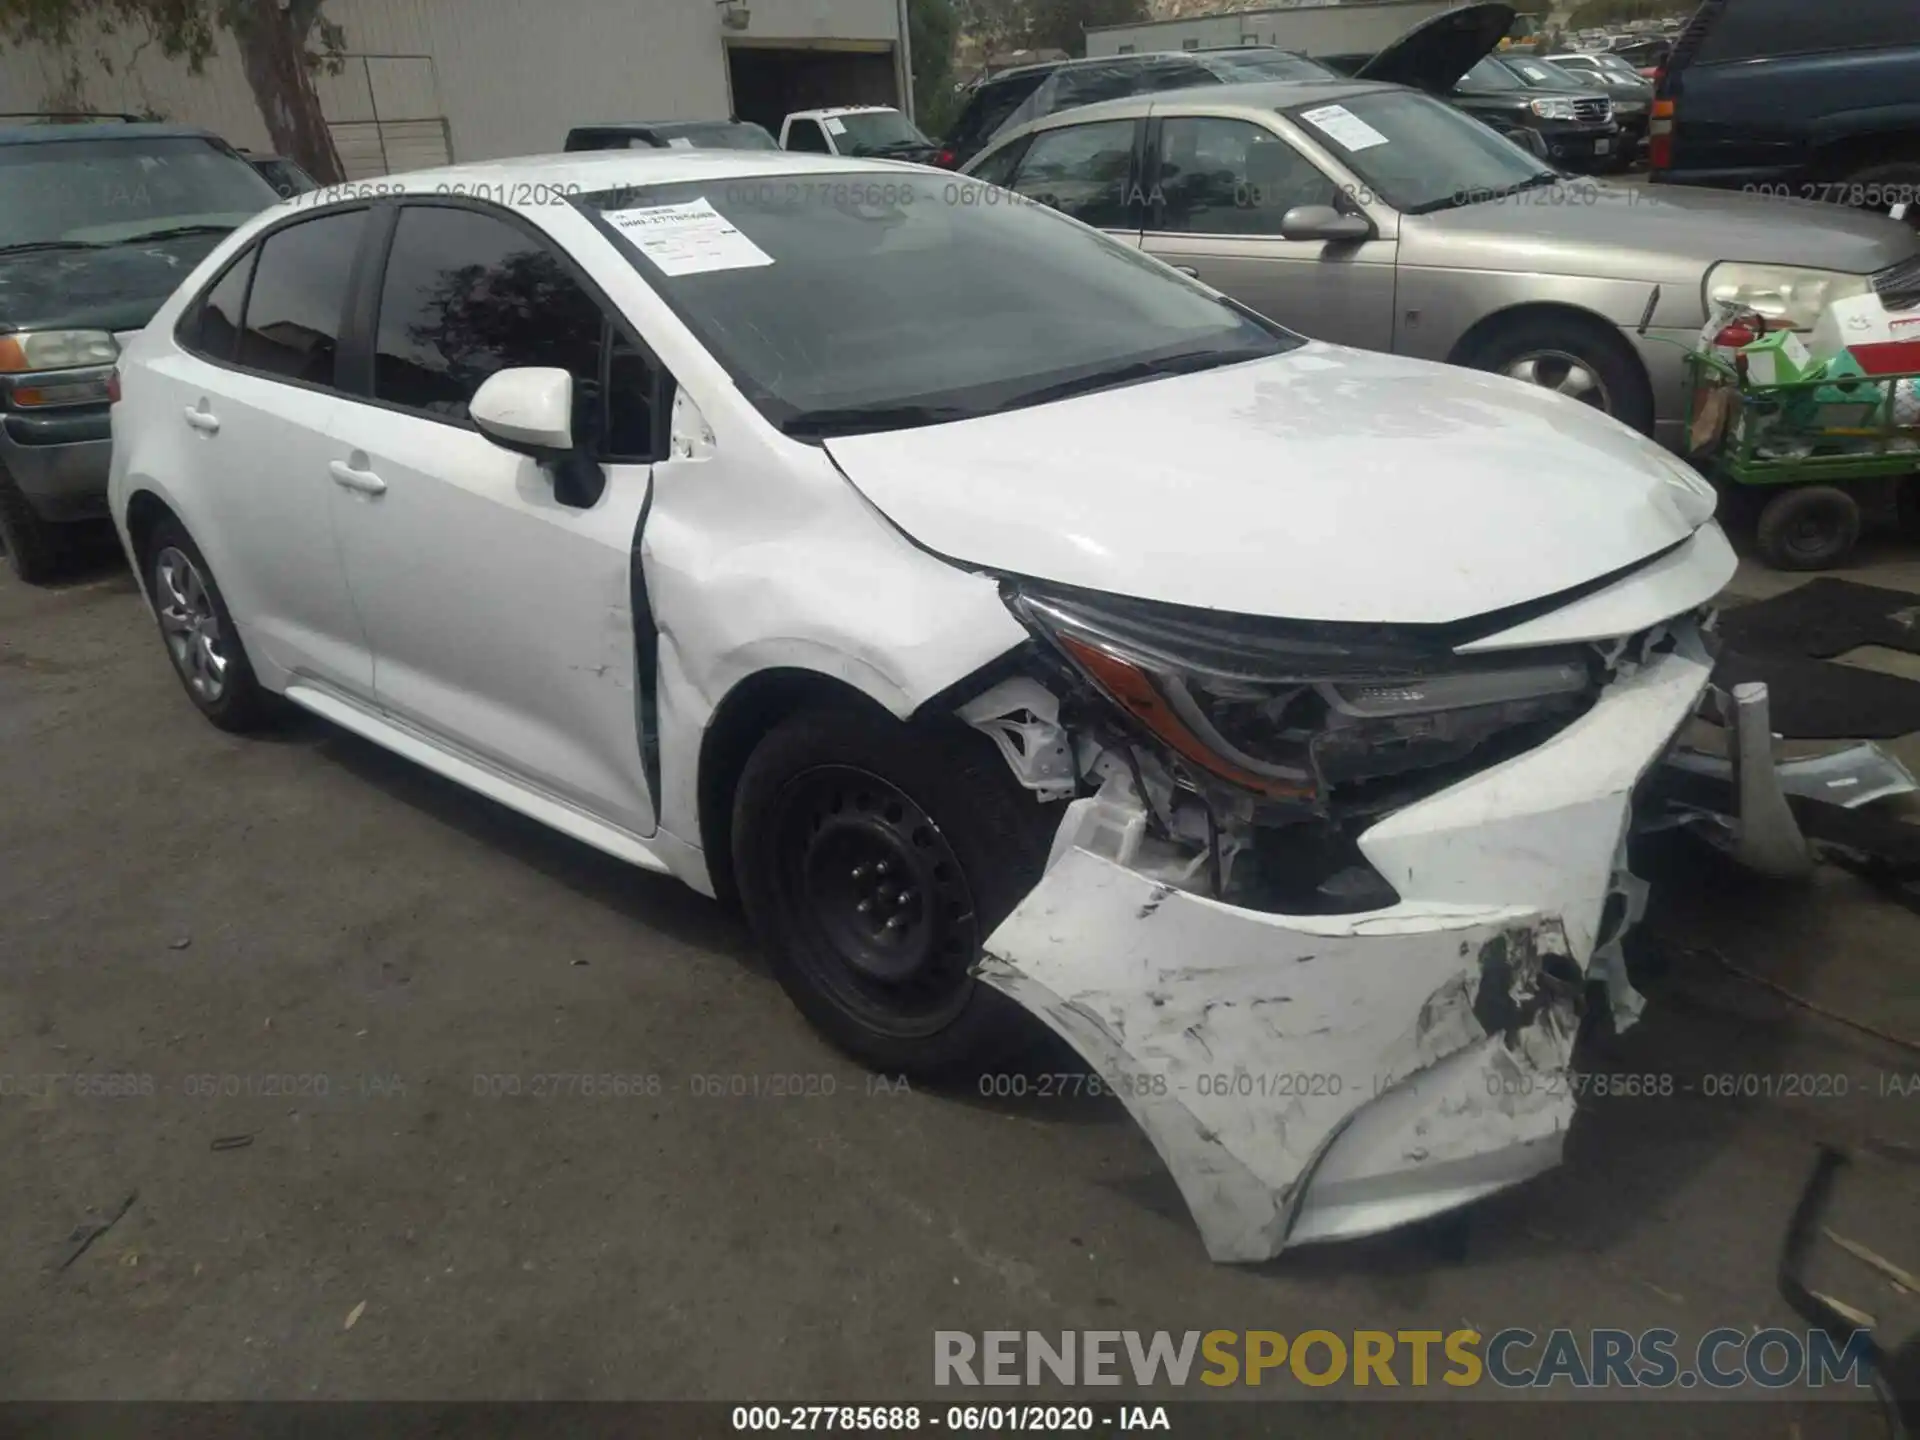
(499, 618)
(1216, 200)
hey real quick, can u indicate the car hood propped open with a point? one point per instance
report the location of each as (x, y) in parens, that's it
(1434, 54)
(1322, 484)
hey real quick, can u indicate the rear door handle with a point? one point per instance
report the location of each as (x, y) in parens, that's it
(205, 421)
(365, 481)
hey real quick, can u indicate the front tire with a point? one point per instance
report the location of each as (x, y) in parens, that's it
(873, 859)
(1580, 359)
(199, 634)
(34, 547)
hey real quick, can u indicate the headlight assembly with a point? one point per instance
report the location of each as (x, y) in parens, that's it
(1553, 109)
(56, 350)
(1783, 293)
(1293, 712)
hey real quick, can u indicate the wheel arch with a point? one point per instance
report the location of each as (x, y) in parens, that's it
(145, 511)
(1487, 328)
(744, 716)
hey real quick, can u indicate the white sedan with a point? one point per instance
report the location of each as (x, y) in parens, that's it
(1006, 619)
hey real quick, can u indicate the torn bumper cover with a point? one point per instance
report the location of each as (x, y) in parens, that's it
(1320, 1077)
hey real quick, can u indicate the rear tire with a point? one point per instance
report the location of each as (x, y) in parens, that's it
(1811, 527)
(198, 632)
(35, 548)
(873, 859)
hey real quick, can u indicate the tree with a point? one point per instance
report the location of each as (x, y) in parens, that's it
(931, 28)
(997, 24)
(281, 43)
(1062, 24)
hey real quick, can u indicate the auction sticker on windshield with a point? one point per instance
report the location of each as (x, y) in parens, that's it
(1344, 127)
(688, 239)
(836, 126)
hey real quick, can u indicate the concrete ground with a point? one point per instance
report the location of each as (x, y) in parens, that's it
(180, 906)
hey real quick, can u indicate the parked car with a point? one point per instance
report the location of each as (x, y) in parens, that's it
(655, 516)
(1813, 101)
(1607, 68)
(99, 222)
(1375, 216)
(671, 135)
(1029, 92)
(865, 130)
(1645, 55)
(1451, 55)
(286, 178)
(1632, 97)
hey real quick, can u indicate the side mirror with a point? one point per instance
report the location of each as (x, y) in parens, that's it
(529, 411)
(1323, 222)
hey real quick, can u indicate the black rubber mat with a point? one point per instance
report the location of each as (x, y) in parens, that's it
(1814, 700)
(1823, 618)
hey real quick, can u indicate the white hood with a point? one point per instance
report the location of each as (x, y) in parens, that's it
(1323, 484)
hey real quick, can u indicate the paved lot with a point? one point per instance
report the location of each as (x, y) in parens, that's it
(176, 903)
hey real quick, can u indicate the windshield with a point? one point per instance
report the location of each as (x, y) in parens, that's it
(1545, 75)
(861, 301)
(1268, 65)
(1417, 153)
(108, 191)
(1490, 74)
(721, 135)
(870, 132)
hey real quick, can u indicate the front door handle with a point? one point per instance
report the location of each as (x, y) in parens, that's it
(1188, 270)
(365, 481)
(205, 421)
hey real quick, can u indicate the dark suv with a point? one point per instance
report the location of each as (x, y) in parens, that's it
(98, 224)
(1793, 97)
(1028, 92)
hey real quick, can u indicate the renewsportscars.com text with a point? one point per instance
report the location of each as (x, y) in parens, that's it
(1556, 1361)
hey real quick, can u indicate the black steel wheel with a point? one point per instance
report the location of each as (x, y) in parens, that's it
(1811, 527)
(873, 859)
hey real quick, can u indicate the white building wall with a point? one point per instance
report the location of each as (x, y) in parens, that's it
(511, 75)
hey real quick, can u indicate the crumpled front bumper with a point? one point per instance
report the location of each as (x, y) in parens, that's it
(1319, 1077)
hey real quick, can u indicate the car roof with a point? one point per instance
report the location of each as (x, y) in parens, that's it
(100, 130)
(1262, 95)
(586, 171)
(622, 127)
(831, 110)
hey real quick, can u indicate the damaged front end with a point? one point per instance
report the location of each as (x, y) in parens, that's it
(1328, 900)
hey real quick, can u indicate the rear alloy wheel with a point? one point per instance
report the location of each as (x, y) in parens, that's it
(1580, 361)
(1812, 527)
(199, 633)
(873, 859)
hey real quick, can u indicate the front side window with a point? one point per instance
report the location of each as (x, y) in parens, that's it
(1229, 177)
(466, 295)
(819, 298)
(297, 304)
(1082, 171)
(997, 168)
(806, 136)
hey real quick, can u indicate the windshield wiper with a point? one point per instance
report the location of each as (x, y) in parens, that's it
(171, 231)
(860, 419)
(1184, 363)
(29, 247)
(1461, 198)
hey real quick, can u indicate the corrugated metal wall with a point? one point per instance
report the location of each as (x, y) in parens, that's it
(511, 75)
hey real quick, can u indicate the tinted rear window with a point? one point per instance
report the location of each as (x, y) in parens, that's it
(1749, 29)
(299, 298)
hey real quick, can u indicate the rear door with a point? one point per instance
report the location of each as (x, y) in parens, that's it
(500, 619)
(1218, 187)
(253, 394)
